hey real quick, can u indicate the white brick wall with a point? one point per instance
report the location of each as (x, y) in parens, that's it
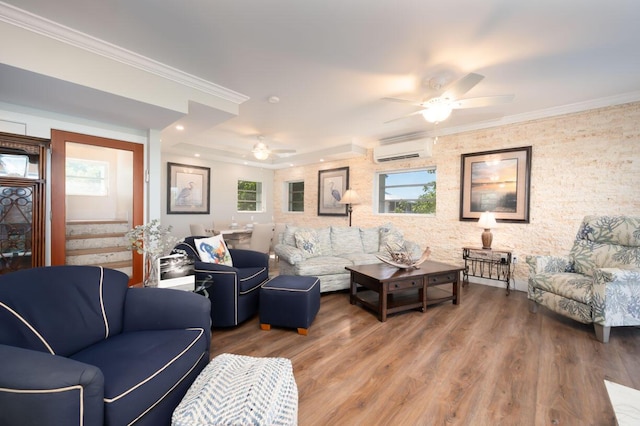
(584, 163)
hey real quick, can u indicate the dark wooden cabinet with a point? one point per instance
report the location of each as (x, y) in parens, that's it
(22, 201)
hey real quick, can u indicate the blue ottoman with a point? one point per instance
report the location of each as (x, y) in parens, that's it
(289, 301)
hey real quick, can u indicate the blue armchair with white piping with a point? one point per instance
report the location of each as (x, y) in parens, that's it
(233, 290)
(79, 347)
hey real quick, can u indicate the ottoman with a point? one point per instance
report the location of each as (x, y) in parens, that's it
(241, 390)
(289, 301)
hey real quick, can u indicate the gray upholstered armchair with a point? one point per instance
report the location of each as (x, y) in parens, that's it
(599, 281)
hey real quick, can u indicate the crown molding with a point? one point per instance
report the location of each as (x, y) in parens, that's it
(39, 25)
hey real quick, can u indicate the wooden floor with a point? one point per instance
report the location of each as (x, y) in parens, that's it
(487, 361)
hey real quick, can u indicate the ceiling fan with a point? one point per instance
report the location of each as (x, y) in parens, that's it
(438, 108)
(262, 151)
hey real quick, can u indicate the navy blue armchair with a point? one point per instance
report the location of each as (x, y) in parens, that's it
(233, 290)
(79, 347)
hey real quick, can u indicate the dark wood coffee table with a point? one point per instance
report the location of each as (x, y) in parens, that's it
(386, 289)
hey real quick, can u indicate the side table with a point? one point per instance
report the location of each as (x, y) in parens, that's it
(492, 264)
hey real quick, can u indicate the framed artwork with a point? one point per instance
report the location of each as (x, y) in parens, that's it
(187, 189)
(332, 184)
(498, 182)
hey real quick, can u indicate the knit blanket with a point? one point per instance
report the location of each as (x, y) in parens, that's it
(241, 390)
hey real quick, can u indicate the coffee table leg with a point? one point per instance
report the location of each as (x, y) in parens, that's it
(456, 291)
(353, 289)
(382, 303)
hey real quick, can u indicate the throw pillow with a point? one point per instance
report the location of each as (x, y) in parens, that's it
(390, 236)
(307, 240)
(346, 240)
(213, 250)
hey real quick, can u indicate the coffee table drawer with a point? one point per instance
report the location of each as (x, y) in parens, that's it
(448, 277)
(405, 284)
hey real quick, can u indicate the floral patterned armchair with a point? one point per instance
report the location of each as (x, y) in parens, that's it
(599, 281)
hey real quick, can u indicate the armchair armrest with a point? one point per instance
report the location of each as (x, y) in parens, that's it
(289, 254)
(249, 258)
(40, 388)
(615, 301)
(165, 309)
(548, 264)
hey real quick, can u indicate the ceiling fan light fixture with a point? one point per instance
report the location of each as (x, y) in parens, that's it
(437, 113)
(260, 151)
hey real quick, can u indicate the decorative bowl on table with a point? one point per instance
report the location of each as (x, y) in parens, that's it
(401, 258)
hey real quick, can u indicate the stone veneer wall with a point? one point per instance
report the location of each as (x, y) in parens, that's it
(582, 163)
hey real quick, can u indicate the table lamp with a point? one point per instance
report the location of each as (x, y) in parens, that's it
(350, 197)
(487, 221)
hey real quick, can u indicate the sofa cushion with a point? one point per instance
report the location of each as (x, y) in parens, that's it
(390, 236)
(289, 236)
(345, 240)
(361, 258)
(307, 240)
(252, 278)
(322, 265)
(213, 250)
(370, 239)
(324, 237)
(139, 367)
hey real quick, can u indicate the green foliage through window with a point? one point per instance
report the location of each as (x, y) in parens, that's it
(407, 192)
(249, 196)
(87, 177)
(296, 196)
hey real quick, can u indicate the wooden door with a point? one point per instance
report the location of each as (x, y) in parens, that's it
(65, 206)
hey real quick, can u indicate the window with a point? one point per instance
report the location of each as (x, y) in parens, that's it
(295, 191)
(87, 177)
(249, 196)
(407, 192)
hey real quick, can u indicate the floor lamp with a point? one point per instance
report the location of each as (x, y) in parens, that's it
(350, 197)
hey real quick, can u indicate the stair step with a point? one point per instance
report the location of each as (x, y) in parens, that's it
(90, 236)
(98, 250)
(95, 222)
(116, 265)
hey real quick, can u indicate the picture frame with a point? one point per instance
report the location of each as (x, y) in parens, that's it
(496, 181)
(187, 189)
(332, 184)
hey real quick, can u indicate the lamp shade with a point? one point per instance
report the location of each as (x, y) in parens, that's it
(350, 197)
(487, 220)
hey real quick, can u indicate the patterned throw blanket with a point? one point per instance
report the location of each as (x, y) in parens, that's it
(241, 390)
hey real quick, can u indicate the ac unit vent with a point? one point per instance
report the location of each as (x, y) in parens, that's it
(403, 151)
(398, 157)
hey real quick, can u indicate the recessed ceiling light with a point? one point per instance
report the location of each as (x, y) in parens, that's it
(322, 160)
(196, 154)
(179, 127)
(274, 99)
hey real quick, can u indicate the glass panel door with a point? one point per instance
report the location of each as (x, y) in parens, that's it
(99, 206)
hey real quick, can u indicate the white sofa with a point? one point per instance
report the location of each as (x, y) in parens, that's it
(325, 252)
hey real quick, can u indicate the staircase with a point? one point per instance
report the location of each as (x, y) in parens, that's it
(99, 243)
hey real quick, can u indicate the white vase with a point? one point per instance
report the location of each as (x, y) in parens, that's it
(150, 271)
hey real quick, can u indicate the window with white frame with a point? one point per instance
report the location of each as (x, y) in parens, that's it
(407, 191)
(87, 177)
(249, 196)
(295, 196)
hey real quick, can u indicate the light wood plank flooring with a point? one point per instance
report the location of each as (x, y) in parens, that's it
(487, 361)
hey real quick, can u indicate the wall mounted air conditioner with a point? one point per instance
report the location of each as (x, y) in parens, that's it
(403, 150)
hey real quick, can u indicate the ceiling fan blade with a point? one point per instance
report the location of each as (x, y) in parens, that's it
(483, 101)
(283, 151)
(405, 116)
(462, 86)
(404, 101)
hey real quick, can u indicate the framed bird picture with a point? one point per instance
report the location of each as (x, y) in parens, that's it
(332, 184)
(187, 189)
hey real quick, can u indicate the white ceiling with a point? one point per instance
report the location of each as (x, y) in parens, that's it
(331, 61)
